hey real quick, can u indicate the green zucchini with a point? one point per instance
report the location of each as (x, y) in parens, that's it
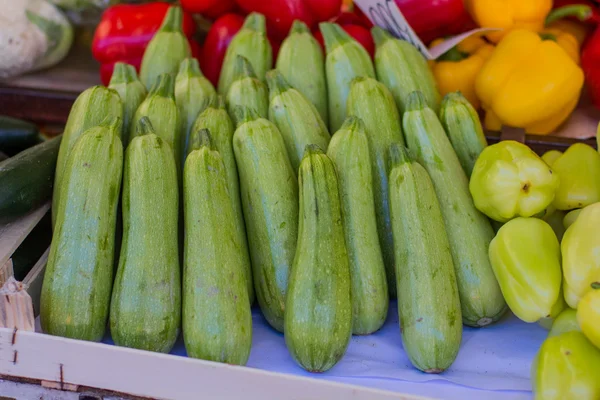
(346, 59)
(373, 103)
(79, 275)
(349, 151)
(318, 314)
(428, 300)
(27, 178)
(246, 89)
(145, 310)
(469, 231)
(132, 92)
(17, 135)
(269, 192)
(218, 123)
(217, 320)
(90, 109)
(297, 119)
(301, 62)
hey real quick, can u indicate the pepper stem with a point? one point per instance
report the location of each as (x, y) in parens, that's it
(579, 11)
(173, 21)
(453, 55)
(548, 36)
(595, 285)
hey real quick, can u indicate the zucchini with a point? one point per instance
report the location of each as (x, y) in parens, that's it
(318, 314)
(301, 62)
(17, 135)
(469, 231)
(428, 300)
(218, 123)
(296, 117)
(373, 103)
(27, 178)
(346, 59)
(269, 192)
(132, 92)
(145, 310)
(217, 320)
(247, 90)
(79, 275)
(349, 152)
(90, 109)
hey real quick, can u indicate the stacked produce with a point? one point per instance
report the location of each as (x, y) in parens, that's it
(323, 188)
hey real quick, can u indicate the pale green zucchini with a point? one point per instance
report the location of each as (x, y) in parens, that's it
(428, 300)
(78, 280)
(318, 314)
(269, 192)
(217, 320)
(145, 310)
(469, 231)
(132, 91)
(246, 90)
(349, 151)
(296, 118)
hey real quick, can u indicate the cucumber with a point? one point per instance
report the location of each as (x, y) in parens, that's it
(145, 310)
(246, 89)
(218, 123)
(297, 119)
(318, 314)
(269, 192)
(469, 231)
(79, 275)
(428, 301)
(373, 103)
(17, 135)
(90, 109)
(349, 152)
(27, 178)
(217, 320)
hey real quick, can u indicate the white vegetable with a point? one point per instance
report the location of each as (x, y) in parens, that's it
(34, 34)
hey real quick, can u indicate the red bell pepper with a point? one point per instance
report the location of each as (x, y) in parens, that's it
(281, 14)
(433, 19)
(126, 29)
(358, 32)
(590, 57)
(208, 8)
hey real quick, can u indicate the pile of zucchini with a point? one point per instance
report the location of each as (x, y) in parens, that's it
(321, 189)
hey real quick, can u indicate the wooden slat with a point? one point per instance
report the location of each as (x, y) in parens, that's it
(145, 374)
(13, 233)
(6, 271)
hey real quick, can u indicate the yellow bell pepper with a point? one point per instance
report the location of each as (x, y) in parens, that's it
(528, 83)
(588, 315)
(457, 69)
(565, 40)
(509, 15)
(580, 248)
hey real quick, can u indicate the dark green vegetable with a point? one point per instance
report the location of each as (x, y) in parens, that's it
(17, 135)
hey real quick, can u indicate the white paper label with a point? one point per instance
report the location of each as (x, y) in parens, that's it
(387, 15)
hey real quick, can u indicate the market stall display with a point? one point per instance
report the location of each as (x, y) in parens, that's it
(324, 188)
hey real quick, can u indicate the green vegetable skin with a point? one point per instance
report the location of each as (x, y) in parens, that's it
(17, 135)
(132, 91)
(462, 124)
(565, 322)
(346, 59)
(160, 107)
(26, 179)
(218, 123)
(566, 367)
(167, 49)
(350, 154)
(217, 321)
(318, 315)
(579, 172)
(145, 310)
(469, 231)
(372, 102)
(246, 90)
(193, 93)
(296, 118)
(403, 69)
(431, 329)
(79, 275)
(525, 256)
(91, 108)
(269, 193)
(301, 62)
(251, 42)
